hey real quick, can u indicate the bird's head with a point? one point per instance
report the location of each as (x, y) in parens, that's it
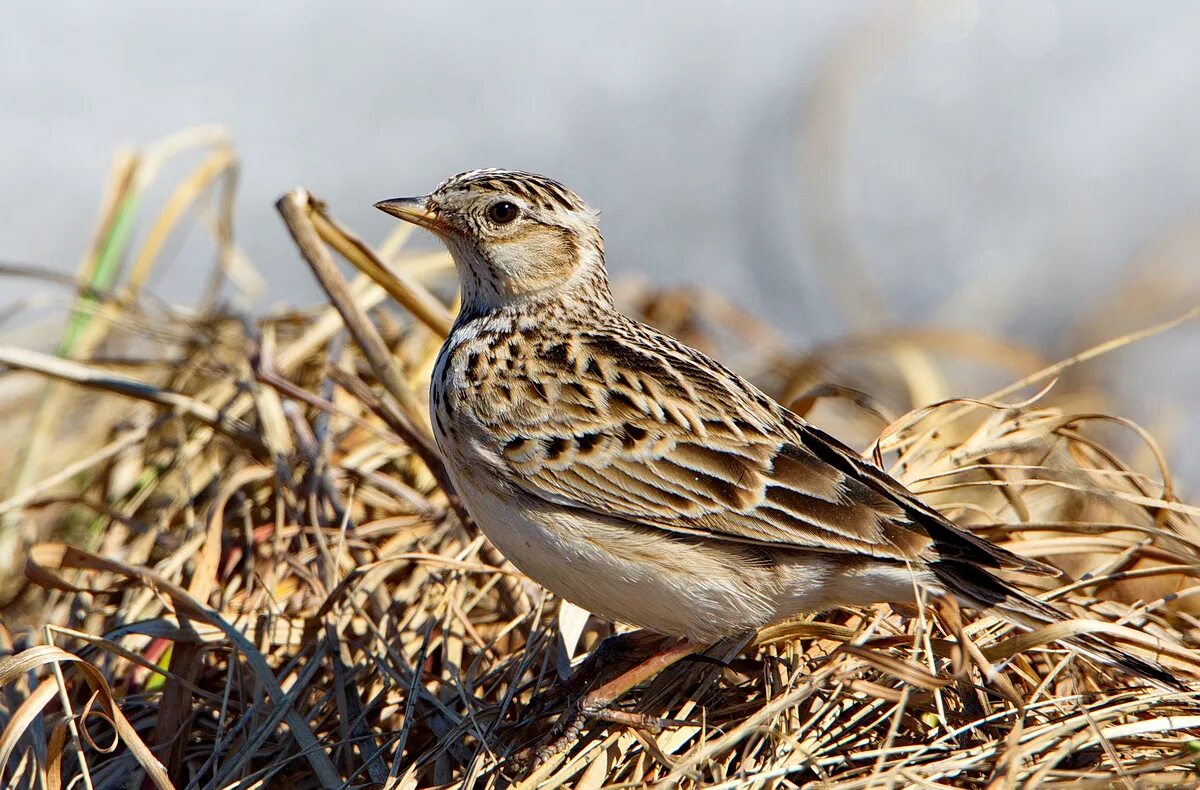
(514, 236)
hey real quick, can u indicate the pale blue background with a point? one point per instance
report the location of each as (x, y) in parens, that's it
(1011, 155)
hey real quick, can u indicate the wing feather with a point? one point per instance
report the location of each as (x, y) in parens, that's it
(661, 435)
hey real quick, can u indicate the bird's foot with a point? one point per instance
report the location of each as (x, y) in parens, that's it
(597, 703)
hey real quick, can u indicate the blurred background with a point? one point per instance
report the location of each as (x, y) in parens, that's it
(1028, 170)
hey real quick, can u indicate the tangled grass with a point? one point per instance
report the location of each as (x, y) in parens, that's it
(238, 563)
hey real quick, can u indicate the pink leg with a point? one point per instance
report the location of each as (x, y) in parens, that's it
(613, 650)
(595, 704)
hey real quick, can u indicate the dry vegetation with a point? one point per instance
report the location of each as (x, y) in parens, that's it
(246, 570)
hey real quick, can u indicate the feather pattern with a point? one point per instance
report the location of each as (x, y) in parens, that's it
(619, 419)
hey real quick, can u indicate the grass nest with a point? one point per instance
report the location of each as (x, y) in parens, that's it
(235, 561)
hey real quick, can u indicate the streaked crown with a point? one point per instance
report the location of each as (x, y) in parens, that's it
(538, 190)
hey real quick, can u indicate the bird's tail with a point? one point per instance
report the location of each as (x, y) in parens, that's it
(978, 589)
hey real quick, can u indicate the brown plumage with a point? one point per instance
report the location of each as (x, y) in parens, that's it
(641, 479)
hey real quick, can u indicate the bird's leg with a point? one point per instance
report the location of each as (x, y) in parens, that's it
(595, 704)
(612, 651)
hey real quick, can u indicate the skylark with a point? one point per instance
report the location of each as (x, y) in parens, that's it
(644, 481)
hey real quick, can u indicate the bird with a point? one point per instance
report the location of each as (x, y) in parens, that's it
(644, 481)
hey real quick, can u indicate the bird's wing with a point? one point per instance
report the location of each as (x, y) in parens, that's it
(638, 426)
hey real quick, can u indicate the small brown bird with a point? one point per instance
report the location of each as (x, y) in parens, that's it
(644, 481)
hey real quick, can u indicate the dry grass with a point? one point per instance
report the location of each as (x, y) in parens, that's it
(251, 573)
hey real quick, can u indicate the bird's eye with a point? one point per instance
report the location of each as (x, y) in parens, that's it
(502, 212)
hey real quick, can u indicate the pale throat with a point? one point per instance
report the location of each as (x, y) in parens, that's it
(508, 275)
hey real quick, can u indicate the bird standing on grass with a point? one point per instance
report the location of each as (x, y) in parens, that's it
(642, 480)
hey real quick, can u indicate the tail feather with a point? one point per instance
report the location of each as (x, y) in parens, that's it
(979, 589)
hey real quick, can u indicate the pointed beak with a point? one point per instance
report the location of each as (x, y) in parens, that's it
(414, 210)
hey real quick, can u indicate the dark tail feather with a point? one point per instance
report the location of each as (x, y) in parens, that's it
(977, 588)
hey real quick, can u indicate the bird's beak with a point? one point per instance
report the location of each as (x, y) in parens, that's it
(414, 210)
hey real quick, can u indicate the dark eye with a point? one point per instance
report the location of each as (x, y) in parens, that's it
(502, 212)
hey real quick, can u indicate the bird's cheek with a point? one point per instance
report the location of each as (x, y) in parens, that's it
(534, 261)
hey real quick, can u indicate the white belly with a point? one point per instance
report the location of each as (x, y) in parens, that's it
(701, 590)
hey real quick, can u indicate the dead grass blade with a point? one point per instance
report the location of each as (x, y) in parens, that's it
(13, 667)
(88, 376)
